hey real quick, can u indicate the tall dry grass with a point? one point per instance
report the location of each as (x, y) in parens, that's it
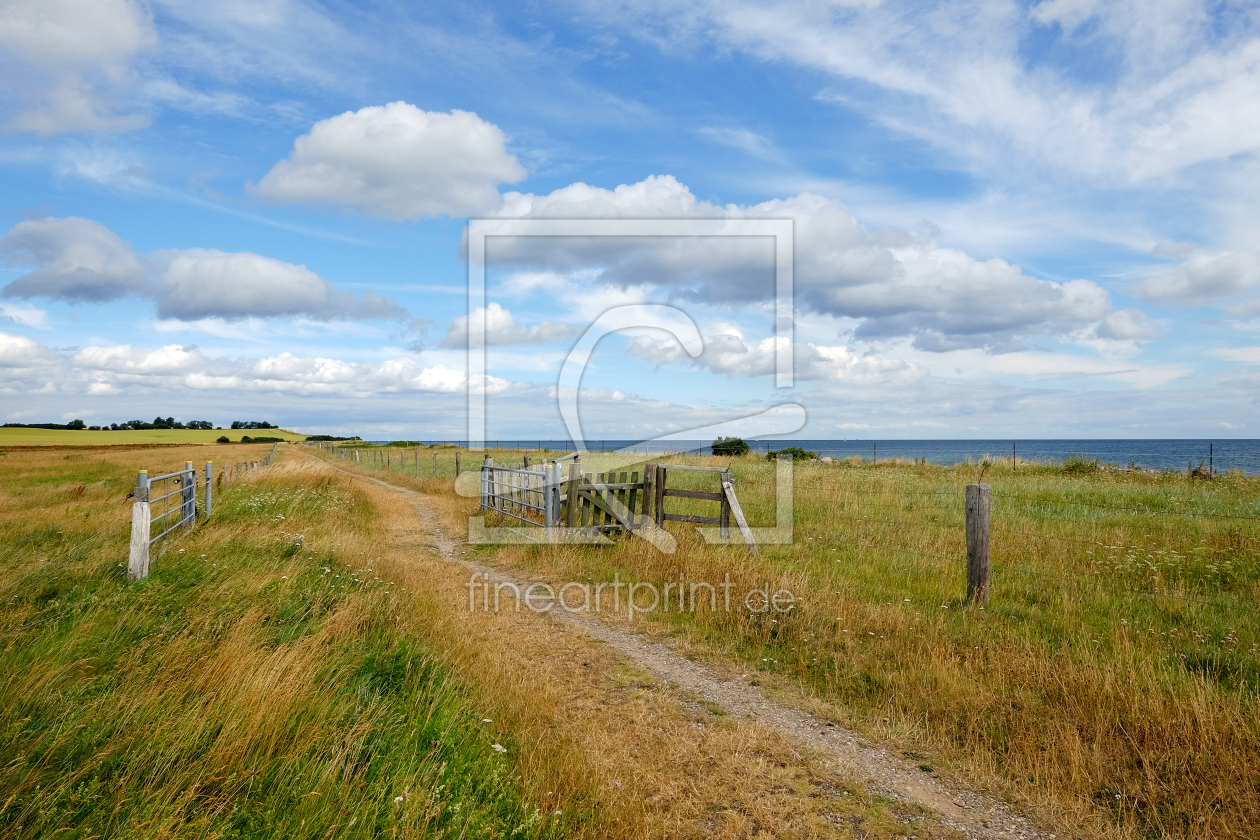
(1111, 684)
(259, 683)
(304, 665)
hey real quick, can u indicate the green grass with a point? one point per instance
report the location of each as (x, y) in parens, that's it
(87, 437)
(1114, 674)
(260, 683)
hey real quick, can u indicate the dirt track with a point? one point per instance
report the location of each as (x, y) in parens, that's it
(840, 750)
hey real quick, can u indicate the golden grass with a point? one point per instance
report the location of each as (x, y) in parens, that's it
(300, 662)
(1111, 685)
(585, 722)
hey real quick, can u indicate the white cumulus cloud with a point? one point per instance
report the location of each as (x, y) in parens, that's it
(396, 161)
(79, 261)
(82, 261)
(731, 355)
(502, 330)
(66, 65)
(203, 283)
(1204, 278)
(894, 282)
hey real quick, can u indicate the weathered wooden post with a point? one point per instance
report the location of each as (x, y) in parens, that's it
(457, 463)
(724, 518)
(659, 503)
(575, 478)
(209, 487)
(138, 556)
(978, 500)
(649, 477)
(546, 500)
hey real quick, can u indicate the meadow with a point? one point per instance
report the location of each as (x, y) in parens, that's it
(303, 664)
(11, 437)
(1110, 685)
(262, 682)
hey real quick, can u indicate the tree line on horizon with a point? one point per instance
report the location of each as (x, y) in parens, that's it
(158, 423)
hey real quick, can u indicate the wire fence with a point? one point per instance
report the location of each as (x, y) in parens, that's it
(1167, 544)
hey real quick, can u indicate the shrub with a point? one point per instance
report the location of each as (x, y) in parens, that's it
(730, 446)
(1080, 465)
(796, 452)
(248, 439)
(223, 439)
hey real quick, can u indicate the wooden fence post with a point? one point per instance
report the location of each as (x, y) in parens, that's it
(434, 464)
(138, 556)
(575, 478)
(724, 517)
(659, 503)
(457, 463)
(649, 476)
(978, 499)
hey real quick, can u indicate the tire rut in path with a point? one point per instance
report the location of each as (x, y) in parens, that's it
(840, 749)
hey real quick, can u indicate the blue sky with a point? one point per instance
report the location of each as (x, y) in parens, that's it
(1011, 219)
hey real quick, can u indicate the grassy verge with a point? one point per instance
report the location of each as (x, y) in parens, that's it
(1112, 682)
(262, 682)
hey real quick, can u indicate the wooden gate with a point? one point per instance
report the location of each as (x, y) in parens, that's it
(560, 495)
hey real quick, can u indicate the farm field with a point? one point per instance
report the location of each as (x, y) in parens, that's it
(1111, 685)
(12, 437)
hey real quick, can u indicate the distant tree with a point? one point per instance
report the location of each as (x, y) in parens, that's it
(252, 424)
(200, 424)
(75, 424)
(730, 446)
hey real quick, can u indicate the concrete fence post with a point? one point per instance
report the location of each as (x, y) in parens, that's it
(189, 491)
(138, 557)
(978, 500)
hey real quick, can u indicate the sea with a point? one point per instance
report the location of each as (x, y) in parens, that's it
(1154, 454)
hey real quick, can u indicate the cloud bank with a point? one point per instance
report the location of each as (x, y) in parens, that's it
(26, 366)
(893, 283)
(81, 261)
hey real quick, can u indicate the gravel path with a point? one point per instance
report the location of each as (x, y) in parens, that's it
(842, 750)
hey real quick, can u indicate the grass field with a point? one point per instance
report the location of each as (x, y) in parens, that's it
(1110, 687)
(304, 665)
(261, 683)
(60, 437)
(1112, 682)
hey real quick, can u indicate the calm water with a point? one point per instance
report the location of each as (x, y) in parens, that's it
(1149, 454)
